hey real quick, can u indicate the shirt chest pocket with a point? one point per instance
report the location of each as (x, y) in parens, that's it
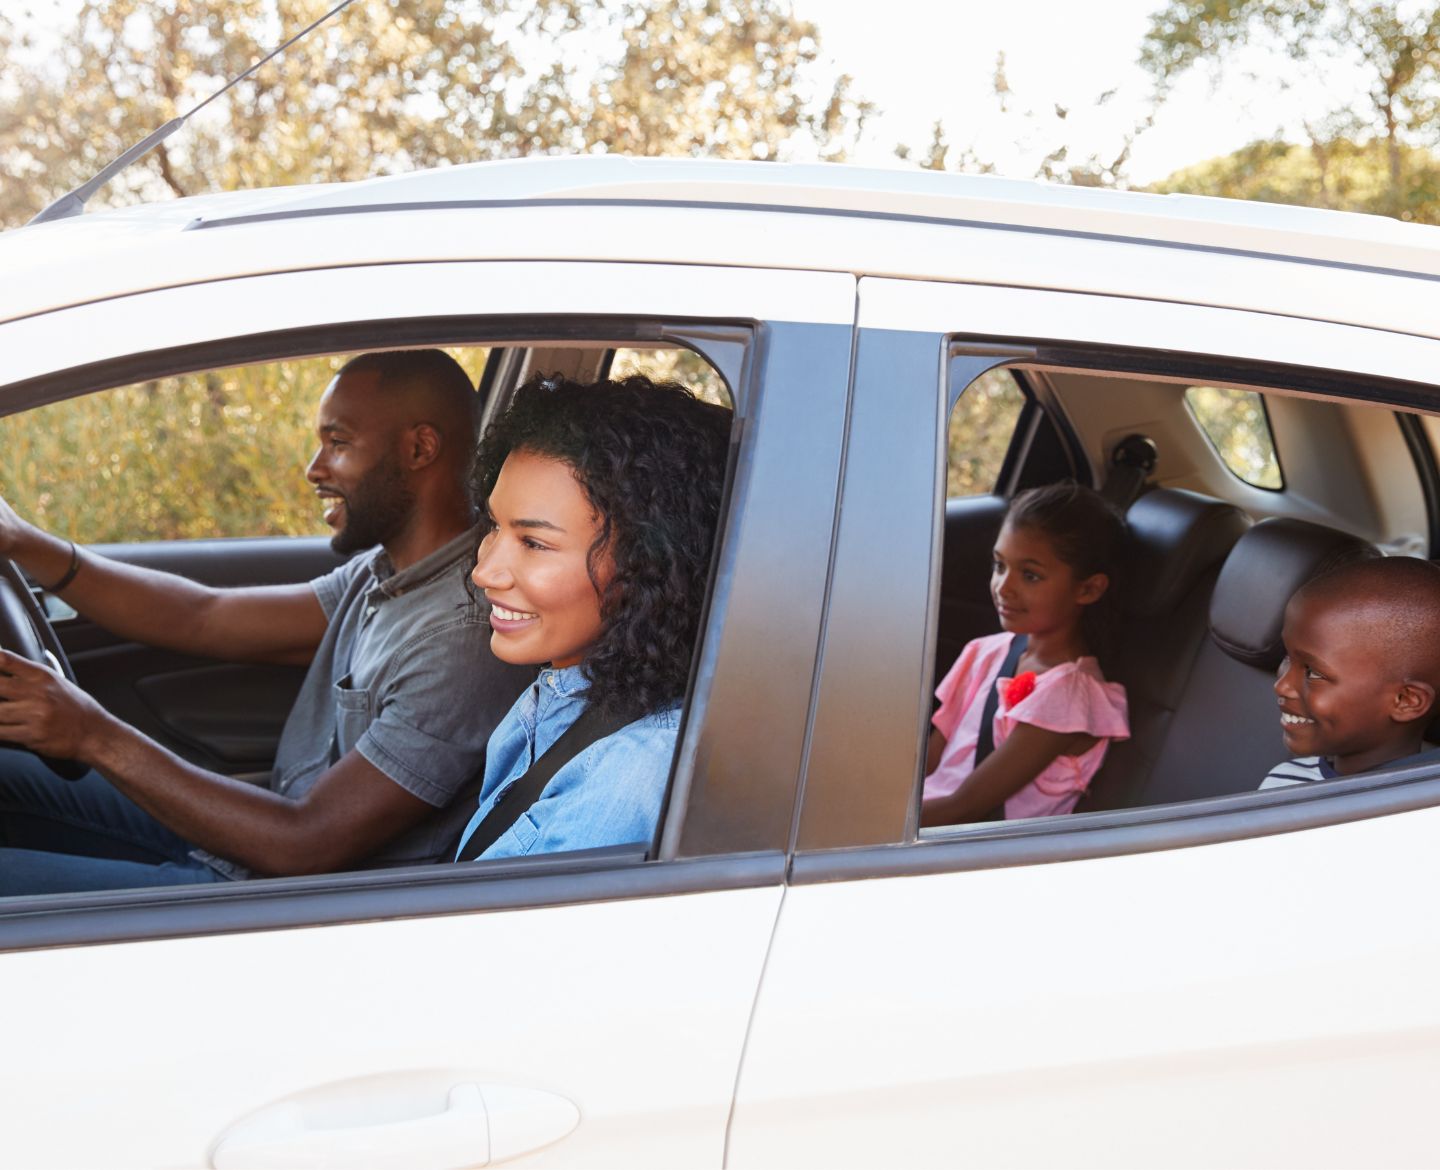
(520, 838)
(354, 712)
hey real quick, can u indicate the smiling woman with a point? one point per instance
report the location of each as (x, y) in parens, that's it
(600, 504)
(534, 564)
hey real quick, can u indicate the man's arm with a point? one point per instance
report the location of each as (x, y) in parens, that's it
(274, 623)
(352, 810)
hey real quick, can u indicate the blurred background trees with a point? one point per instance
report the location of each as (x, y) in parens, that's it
(394, 85)
(1372, 157)
(389, 86)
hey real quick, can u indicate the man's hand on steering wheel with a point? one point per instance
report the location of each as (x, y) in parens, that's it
(44, 712)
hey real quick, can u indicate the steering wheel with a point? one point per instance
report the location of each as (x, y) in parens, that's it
(25, 630)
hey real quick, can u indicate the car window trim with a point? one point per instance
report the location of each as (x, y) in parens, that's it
(1422, 453)
(356, 336)
(262, 904)
(1088, 836)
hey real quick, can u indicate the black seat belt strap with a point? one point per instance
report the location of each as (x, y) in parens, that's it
(986, 743)
(591, 727)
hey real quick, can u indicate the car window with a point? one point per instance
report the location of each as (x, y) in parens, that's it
(673, 365)
(220, 453)
(1238, 427)
(146, 467)
(1354, 489)
(982, 425)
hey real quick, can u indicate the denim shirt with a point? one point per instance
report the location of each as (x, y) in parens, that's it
(608, 794)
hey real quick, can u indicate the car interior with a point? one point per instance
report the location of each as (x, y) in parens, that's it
(1252, 487)
(213, 464)
(1216, 556)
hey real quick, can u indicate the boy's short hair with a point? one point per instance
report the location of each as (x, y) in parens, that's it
(1405, 592)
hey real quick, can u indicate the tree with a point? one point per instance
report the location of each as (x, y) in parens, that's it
(714, 78)
(1395, 45)
(1339, 173)
(392, 85)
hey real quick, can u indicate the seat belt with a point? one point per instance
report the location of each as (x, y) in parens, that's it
(590, 728)
(1131, 462)
(986, 743)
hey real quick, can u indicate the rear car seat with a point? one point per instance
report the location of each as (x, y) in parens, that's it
(1216, 730)
(1180, 540)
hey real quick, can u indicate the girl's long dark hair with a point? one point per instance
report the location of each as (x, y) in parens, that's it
(1091, 537)
(650, 458)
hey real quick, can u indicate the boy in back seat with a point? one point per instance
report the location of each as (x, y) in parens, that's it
(1361, 671)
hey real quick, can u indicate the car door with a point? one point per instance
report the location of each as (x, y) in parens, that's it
(1234, 981)
(582, 1010)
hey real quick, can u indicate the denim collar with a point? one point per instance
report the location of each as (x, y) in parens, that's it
(565, 681)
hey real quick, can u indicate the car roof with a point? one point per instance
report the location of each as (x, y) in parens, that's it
(114, 252)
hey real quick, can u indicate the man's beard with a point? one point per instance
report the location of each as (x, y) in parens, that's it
(376, 509)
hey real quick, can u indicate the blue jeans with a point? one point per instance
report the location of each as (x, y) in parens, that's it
(58, 836)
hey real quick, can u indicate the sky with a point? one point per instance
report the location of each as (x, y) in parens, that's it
(927, 60)
(923, 60)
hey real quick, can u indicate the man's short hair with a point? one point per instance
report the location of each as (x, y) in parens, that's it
(431, 376)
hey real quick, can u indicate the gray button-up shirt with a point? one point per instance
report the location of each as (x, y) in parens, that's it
(405, 677)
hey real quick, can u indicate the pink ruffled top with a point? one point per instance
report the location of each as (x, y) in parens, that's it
(1071, 697)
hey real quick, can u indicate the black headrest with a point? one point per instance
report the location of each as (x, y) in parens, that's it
(1267, 566)
(1178, 536)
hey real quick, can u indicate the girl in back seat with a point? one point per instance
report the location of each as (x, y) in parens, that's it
(1025, 715)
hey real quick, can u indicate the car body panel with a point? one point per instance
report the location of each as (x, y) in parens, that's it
(176, 317)
(633, 1010)
(1303, 261)
(1260, 1002)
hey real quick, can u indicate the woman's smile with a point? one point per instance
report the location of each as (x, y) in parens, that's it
(511, 618)
(535, 564)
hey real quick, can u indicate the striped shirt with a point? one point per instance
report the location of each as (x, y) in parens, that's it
(1304, 770)
(1307, 769)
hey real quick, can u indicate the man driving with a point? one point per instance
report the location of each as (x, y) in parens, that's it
(387, 736)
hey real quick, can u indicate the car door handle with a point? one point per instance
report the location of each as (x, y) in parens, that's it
(361, 1125)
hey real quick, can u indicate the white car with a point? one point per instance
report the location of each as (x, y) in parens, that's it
(1183, 972)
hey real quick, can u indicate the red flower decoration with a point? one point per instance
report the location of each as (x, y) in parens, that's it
(1019, 688)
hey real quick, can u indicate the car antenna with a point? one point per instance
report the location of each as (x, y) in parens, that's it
(73, 202)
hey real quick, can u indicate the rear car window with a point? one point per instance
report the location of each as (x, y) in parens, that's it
(981, 427)
(1238, 427)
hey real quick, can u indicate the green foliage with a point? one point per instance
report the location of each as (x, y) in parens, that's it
(1235, 423)
(1394, 47)
(393, 85)
(1342, 175)
(673, 365)
(389, 86)
(981, 426)
(1186, 32)
(221, 453)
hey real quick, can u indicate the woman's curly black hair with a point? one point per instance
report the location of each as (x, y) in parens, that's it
(650, 458)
